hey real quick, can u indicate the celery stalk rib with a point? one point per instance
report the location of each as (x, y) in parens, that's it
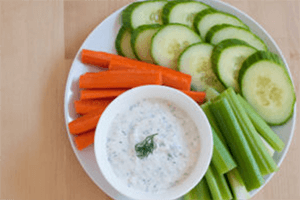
(237, 185)
(262, 127)
(263, 159)
(217, 184)
(237, 143)
(212, 120)
(222, 159)
(200, 192)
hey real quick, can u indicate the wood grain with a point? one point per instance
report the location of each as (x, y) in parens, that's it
(38, 40)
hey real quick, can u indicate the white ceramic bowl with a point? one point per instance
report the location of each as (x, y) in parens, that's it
(179, 99)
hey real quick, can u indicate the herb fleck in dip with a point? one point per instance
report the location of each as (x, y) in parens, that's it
(170, 134)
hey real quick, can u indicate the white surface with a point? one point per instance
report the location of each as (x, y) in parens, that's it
(123, 102)
(102, 38)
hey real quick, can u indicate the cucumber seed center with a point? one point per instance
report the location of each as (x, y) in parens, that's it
(268, 92)
(156, 16)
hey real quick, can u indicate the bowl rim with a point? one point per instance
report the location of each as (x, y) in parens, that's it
(203, 159)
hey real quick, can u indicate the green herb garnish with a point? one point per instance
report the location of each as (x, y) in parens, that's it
(145, 147)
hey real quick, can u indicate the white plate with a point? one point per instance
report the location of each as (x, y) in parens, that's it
(102, 38)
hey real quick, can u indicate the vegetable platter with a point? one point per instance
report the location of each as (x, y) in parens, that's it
(103, 38)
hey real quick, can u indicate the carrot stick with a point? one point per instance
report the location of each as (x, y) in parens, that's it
(199, 97)
(119, 79)
(85, 106)
(98, 58)
(170, 77)
(100, 93)
(85, 123)
(84, 140)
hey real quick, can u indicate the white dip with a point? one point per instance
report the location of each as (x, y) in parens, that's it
(177, 145)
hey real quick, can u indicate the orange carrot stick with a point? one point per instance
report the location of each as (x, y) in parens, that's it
(85, 123)
(199, 97)
(85, 106)
(100, 93)
(170, 77)
(94, 58)
(99, 58)
(119, 79)
(84, 140)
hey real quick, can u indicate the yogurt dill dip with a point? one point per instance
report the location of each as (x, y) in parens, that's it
(174, 139)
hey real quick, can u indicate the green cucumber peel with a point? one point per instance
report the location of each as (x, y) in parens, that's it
(219, 18)
(136, 33)
(195, 60)
(214, 29)
(127, 14)
(237, 143)
(224, 45)
(119, 39)
(119, 42)
(200, 16)
(168, 8)
(200, 192)
(210, 34)
(217, 52)
(191, 31)
(261, 155)
(266, 101)
(257, 57)
(262, 127)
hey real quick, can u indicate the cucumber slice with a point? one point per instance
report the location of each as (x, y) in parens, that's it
(141, 13)
(122, 43)
(182, 12)
(141, 41)
(195, 60)
(222, 32)
(227, 59)
(208, 18)
(168, 43)
(266, 85)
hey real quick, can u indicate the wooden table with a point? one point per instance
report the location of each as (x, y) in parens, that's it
(39, 39)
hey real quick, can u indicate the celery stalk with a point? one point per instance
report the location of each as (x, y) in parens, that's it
(211, 93)
(237, 143)
(221, 158)
(217, 184)
(200, 192)
(237, 185)
(212, 184)
(263, 159)
(271, 151)
(262, 127)
(212, 120)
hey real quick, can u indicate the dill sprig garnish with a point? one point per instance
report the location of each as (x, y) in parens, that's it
(145, 147)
